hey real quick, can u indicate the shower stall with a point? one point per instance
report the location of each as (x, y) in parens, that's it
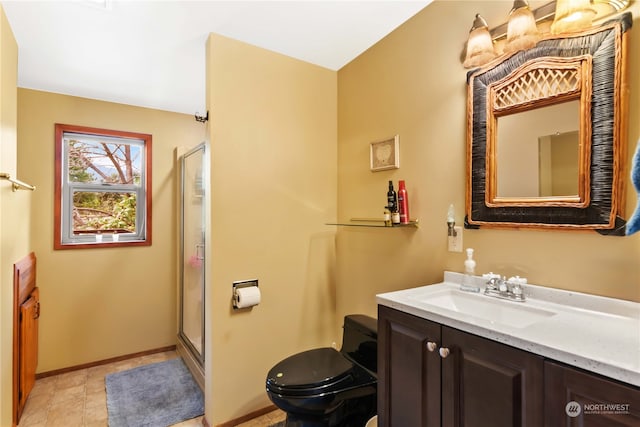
(191, 322)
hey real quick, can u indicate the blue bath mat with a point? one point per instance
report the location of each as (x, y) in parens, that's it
(156, 395)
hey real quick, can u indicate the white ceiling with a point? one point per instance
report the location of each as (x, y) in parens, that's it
(152, 53)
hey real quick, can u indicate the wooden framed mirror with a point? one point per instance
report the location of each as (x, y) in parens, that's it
(546, 134)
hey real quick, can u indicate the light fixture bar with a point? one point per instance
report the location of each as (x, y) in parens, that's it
(548, 11)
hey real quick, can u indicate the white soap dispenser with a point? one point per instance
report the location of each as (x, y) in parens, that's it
(468, 281)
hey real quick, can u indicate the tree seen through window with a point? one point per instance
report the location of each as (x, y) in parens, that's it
(104, 163)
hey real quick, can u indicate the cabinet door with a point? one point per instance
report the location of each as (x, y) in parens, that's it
(408, 370)
(577, 398)
(29, 313)
(485, 383)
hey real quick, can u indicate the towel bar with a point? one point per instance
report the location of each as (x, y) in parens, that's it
(17, 184)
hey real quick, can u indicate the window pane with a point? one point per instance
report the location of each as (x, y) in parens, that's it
(108, 212)
(103, 161)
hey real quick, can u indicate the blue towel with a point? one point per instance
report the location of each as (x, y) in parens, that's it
(633, 224)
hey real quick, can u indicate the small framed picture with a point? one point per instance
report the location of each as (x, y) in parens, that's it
(385, 154)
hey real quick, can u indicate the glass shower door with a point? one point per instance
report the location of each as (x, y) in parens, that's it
(193, 196)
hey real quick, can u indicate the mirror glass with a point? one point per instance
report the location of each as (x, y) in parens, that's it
(538, 152)
(558, 164)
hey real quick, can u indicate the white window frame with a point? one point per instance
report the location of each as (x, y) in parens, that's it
(63, 231)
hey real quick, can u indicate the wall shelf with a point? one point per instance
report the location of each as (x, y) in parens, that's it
(374, 223)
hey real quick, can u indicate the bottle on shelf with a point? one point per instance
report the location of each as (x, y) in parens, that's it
(403, 203)
(395, 218)
(392, 199)
(387, 217)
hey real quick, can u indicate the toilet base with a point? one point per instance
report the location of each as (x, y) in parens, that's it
(353, 413)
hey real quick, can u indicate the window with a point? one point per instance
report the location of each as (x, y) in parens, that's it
(103, 188)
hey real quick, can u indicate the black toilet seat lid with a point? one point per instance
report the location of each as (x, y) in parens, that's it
(310, 368)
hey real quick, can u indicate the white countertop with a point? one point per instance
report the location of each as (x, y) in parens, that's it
(598, 334)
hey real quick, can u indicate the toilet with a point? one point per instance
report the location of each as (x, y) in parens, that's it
(325, 387)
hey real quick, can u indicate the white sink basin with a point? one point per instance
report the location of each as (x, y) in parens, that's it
(494, 310)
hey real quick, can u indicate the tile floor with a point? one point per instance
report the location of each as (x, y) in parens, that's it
(78, 398)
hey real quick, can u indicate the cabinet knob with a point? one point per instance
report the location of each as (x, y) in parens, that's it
(444, 352)
(431, 346)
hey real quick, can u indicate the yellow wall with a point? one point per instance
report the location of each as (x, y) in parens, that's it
(412, 84)
(14, 225)
(102, 303)
(273, 133)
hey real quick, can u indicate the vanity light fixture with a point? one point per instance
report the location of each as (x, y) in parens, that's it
(572, 15)
(522, 31)
(480, 49)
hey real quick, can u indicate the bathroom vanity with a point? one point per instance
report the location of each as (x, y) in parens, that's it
(452, 358)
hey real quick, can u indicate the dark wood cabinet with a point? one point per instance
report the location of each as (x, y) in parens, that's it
(485, 383)
(408, 370)
(577, 398)
(432, 375)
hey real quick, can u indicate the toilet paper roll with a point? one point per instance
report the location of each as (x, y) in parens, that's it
(247, 297)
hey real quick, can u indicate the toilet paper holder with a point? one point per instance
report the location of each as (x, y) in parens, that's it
(239, 285)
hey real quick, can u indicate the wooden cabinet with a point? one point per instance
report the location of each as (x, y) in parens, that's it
(29, 314)
(26, 311)
(408, 370)
(577, 398)
(431, 375)
(485, 383)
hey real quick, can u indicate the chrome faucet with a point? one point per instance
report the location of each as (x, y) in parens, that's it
(499, 287)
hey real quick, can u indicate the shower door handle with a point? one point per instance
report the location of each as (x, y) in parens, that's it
(200, 251)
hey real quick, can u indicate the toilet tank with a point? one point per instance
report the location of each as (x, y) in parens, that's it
(360, 340)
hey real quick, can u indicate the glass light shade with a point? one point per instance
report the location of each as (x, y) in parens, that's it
(522, 31)
(480, 49)
(572, 15)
